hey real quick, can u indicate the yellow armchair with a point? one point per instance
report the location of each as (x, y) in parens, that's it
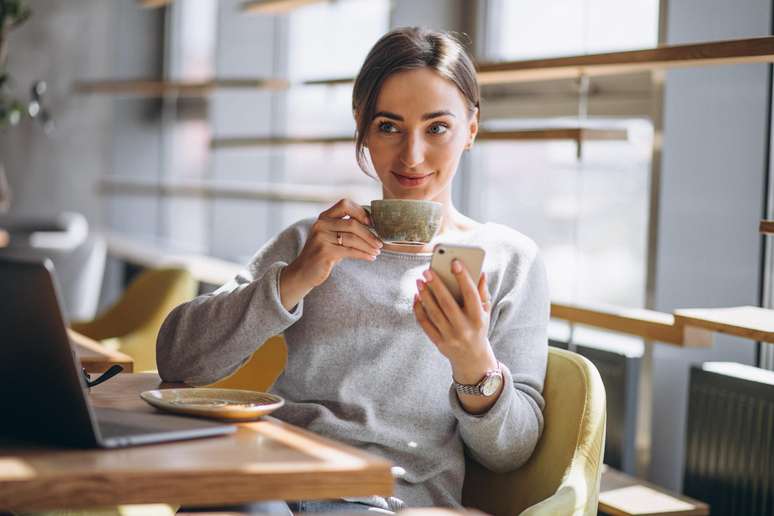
(563, 474)
(261, 370)
(132, 324)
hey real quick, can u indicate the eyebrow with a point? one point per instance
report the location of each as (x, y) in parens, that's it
(426, 116)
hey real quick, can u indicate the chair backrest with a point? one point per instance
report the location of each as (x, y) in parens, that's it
(566, 464)
(78, 269)
(134, 320)
(261, 370)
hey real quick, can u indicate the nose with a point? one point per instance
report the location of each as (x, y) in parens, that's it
(413, 152)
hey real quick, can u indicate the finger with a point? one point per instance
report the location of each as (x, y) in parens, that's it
(471, 301)
(352, 241)
(350, 252)
(424, 321)
(434, 312)
(346, 207)
(356, 228)
(483, 293)
(445, 300)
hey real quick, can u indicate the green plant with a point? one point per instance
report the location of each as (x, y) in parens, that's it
(12, 14)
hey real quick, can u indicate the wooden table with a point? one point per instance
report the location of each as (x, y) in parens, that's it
(262, 460)
(623, 495)
(96, 358)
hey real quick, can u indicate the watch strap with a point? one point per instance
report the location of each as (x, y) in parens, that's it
(476, 388)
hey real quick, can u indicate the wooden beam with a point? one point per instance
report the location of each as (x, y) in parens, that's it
(576, 134)
(276, 6)
(750, 50)
(767, 226)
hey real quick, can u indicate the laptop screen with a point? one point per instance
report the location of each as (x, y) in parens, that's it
(43, 392)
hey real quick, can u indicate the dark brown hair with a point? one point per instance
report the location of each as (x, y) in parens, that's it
(409, 48)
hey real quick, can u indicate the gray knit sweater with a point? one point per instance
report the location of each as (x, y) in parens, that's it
(361, 370)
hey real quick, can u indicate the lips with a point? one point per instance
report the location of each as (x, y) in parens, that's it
(411, 180)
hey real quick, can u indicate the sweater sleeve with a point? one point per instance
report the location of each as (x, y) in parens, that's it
(503, 438)
(211, 336)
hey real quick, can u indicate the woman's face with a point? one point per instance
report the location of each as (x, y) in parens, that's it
(421, 127)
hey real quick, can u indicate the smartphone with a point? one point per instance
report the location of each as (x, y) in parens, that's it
(471, 257)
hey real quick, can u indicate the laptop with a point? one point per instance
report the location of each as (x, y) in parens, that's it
(44, 394)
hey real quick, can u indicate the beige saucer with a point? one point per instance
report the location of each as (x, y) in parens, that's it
(228, 404)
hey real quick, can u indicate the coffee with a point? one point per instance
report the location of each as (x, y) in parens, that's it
(405, 221)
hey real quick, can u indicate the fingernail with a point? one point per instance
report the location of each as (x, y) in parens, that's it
(428, 274)
(380, 244)
(420, 285)
(368, 220)
(456, 266)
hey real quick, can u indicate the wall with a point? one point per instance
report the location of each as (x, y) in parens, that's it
(49, 174)
(715, 131)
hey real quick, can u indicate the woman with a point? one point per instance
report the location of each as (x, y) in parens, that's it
(377, 347)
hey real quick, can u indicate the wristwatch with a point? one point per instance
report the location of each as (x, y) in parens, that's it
(487, 386)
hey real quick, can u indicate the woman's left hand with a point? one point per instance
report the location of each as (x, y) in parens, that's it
(459, 332)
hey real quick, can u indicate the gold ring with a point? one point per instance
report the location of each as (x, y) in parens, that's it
(339, 239)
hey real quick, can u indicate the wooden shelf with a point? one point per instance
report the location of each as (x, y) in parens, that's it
(198, 88)
(287, 192)
(767, 226)
(749, 322)
(153, 4)
(239, 142)
(576, 134)
(276, 6)
(155, 88)
(751, 50)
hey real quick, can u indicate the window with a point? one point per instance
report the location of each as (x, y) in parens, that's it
(589, 215)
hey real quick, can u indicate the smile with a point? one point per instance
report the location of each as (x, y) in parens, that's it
(410, 181)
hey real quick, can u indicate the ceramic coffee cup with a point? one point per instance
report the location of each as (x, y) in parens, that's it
(405, 221)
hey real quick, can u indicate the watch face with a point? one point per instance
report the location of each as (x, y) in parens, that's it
(491, 384)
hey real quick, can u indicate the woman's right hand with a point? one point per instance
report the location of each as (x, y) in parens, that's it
(331, 239)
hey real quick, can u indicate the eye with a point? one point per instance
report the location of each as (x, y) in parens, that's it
(439, 128)
(387, 127)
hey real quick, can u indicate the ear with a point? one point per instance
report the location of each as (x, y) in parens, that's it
(472, 129)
